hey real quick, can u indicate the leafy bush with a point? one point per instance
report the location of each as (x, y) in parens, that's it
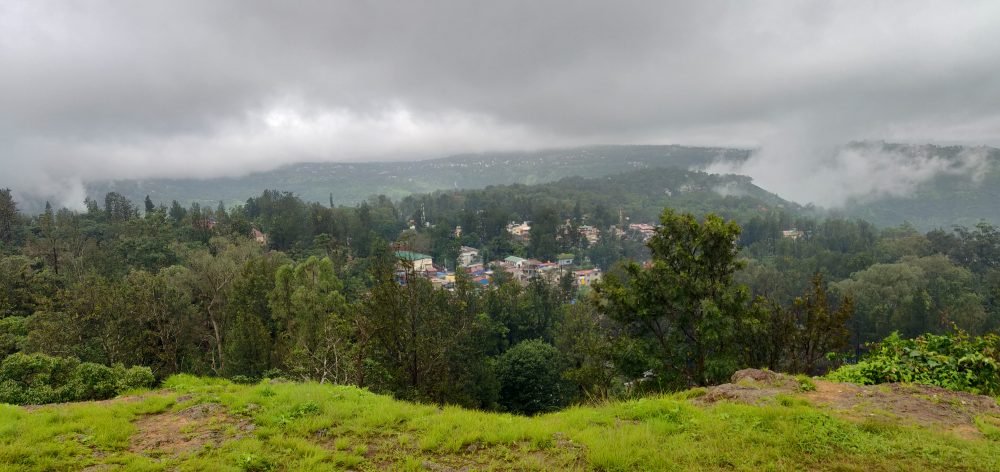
(94, 381)
(955, 362)
(530, 378)
(806, 384)
(36, 379)
(242, 379)
(132, 378)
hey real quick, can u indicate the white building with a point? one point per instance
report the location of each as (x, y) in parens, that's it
(468, 256)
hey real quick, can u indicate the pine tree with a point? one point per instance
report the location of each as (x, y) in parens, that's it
(8, 216)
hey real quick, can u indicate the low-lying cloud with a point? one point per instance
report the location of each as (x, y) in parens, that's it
(262, 141)
(99, 89)
(859, 171)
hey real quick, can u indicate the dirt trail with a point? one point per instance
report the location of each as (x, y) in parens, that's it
(928, 406)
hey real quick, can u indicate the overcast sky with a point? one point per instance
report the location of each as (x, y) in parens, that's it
(116, 89)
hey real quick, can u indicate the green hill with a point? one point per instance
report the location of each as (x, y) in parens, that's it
(950, 198)
(209, 424)
(641, 194)
(349, 183)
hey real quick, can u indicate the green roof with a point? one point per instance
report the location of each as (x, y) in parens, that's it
(411, 256)
(514, 259)
(565, 255)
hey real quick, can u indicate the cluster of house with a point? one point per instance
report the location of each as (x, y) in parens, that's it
(523, 270)
(639, 231)
(469, 262)
(644, 230)
(422, 265)
(591, 233)
(415, 264)
(520, 231)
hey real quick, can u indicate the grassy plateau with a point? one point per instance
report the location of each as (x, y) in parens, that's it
(209, 424)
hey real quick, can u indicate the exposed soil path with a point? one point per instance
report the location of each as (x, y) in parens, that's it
(927, 406)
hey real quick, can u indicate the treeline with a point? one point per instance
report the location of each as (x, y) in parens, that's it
(187, 290)
(900, 279)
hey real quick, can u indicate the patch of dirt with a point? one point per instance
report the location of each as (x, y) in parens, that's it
(173, 433)
(928, 406)
(751, 386)
(924, 405)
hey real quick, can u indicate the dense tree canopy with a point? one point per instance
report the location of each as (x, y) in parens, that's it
(281, 287)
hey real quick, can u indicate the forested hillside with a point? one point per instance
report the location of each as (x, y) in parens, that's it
(350, 183)
(318, 293)
(961, 191)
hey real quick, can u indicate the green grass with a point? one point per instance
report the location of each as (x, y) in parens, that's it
(990, 427)
(322, 427)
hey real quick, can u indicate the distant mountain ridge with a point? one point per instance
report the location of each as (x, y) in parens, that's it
(949, 198)
(349, 183)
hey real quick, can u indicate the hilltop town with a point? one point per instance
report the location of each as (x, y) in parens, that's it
(567, 268)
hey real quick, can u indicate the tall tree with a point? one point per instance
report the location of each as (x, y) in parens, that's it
(177, 212)
(543, 234)
(250, 349)
(798, 338)
(308, 306)
(8, 216)
(118, 208)
(424, 343)
(210, 279)
(45, 242)
(685, 303)
(162, 304)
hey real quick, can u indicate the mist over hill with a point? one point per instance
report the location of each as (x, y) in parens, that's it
(932, 187)
(927, 186)
(350, 183)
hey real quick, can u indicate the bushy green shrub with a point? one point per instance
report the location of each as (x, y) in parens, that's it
(94, 381)
(530, 376)
(956, 362)
(242, 379)
(132, 378)
(36, 379)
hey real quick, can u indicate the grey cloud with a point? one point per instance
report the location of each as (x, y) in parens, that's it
(98, 89)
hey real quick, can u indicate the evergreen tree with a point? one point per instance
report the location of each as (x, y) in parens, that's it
(8, 216)
(685, 306)
(177, 212)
